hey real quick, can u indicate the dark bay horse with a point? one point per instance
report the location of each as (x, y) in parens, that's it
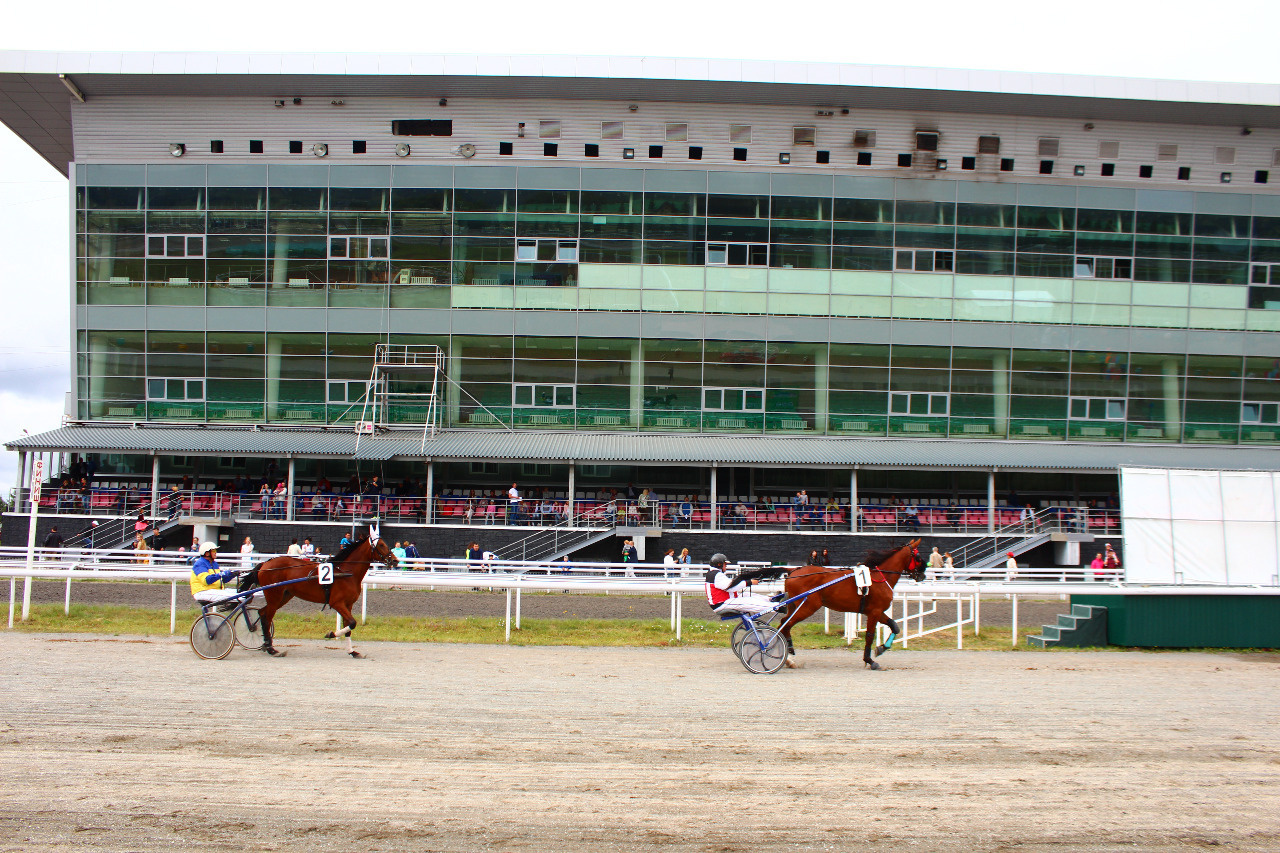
(349, 568)
(886, 569)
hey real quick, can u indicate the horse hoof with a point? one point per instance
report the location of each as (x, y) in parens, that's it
(790, 663)
(331, 636)
(879, 651)
(872, 664)
(356, 655)
(274, 652)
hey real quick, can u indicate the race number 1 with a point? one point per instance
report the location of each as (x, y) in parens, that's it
(324, 573)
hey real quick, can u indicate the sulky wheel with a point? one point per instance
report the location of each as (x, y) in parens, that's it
(764, 650)
(212, 636)
(248, 625)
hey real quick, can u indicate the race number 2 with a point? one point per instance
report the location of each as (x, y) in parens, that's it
(324, 573)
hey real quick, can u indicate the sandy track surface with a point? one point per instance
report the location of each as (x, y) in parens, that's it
(129, 744)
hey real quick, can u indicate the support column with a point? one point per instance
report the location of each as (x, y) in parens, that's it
(1000, 389)
(714, 509)
(573, 468)
(821, 395)
(280, 261)
(22, 480)
(637, 384)
(429, 509)
(1172, 398)
(155, 480)
(275, 346)
(991, 501)
(853, 500)
(289, 496)
(453, 393)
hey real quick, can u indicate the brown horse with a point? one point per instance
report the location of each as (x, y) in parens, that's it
(349, 567)
(886, 568)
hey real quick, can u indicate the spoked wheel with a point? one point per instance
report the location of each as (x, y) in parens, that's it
(764, 650)
(248, 625)
(212, 636)
(741, 632)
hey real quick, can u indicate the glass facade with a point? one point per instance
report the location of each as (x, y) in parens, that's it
(568, 241)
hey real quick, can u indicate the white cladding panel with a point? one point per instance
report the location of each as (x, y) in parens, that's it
(118, 129)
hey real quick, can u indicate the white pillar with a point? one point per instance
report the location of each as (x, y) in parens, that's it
(155, 480)
(714, 513)
(991, 501)
(853, 500)
(452, 391)
(280, 261)
(821, 396)
(429, 508)
(288, 507)
(573, 467)
(22, 480)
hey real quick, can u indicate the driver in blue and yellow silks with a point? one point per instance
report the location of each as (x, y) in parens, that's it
(207, 577)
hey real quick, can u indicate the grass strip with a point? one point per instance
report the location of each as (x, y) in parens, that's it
(696, 633)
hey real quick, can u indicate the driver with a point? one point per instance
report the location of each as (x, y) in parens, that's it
(721, 595)
(207, 578)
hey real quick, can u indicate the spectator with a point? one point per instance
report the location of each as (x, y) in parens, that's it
(246, 554)
(143, 555)
(411, 553)
(471, 511)
(611, 512)
(546, 511)
(295, 550)
(1010, 567)
(686, 559)
(400, 553)
(739, 517)
(140, 525)
(54, 539)
(1097, 566)
(89, 534)
(669, 559)
(86, 494)
(948, 565)
(344, 541)
(686, 513)
(825, 558)
(911, 517)
(935, 561)
(281, 495)
(513, 499)
(953, 514)
(630, 555)
(473, 554)
(801, 506)
(643, 503)
(1110, 559)
(814, 557)
(308, 549)
(630, 493)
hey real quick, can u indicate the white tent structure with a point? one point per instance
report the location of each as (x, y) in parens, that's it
(1201, 527)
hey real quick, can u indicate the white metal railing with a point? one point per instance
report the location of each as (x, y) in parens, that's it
(514, 577)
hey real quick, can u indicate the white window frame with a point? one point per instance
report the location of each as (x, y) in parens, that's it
(1264, 413)
(1114, 408)
(535, 389)
(1270, 273)
(613, 130)
(937, 405)
(529, 248)
(340, 248)
(1087, 266)
(484, 467)
(739, 134)
(192, 389)
(719, 398)
(192, 245)
(804, 135)
(677, 131)
(924, 260)
(345, 390)
(718, 254)
(549, 129)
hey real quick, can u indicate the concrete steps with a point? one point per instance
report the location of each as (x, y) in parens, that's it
(1084, 626)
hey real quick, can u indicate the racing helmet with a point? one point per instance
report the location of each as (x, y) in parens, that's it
(206, 547)
(718, 560)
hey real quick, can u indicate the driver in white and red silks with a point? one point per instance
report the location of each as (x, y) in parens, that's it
(726, 594)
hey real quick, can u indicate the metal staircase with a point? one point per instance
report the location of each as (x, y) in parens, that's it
(560, 540)
(990, 551)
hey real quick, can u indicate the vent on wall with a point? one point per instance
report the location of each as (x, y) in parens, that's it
(1048, 146)
(610, 130)
(988, 145)
(422, 127)
(1109, 149)
(803, 135)
(926, 140)
(864, 139)
(1224, 155)
(1167, 152)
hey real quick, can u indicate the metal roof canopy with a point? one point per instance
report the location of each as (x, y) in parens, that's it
(653, 449)
(36, 104)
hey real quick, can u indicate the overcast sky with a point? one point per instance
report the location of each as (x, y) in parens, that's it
(1226, 41)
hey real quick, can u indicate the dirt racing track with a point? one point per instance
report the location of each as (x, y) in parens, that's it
(135, 745)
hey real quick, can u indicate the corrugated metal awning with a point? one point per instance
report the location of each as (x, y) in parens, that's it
(651, 449)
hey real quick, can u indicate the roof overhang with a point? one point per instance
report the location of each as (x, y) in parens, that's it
(650, 449)
(36, 103)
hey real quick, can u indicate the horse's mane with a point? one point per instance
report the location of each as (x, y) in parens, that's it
(875, 558)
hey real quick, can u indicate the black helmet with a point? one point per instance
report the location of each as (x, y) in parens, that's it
(718, 560)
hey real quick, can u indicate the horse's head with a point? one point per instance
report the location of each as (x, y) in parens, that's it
(916, 564)
(379, 550)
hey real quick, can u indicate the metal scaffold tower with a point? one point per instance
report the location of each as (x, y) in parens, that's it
(404, 389)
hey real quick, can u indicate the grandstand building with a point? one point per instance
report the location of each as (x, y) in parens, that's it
(722, 281)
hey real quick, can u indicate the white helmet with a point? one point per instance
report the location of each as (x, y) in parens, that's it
(206, 547)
